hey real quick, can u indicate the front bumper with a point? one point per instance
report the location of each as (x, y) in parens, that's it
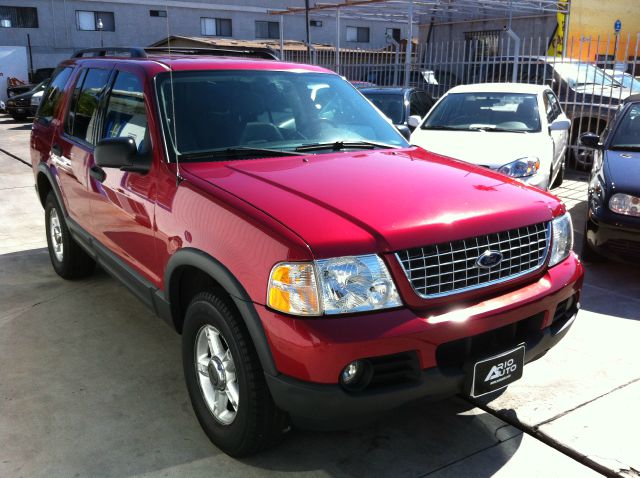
(311, 353)
(330, 406)
(613, 235)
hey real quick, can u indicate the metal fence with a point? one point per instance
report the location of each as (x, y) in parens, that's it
(591, 79)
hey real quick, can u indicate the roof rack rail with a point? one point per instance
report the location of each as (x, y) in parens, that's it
(265, 54)
(139, 52)
(129, 52)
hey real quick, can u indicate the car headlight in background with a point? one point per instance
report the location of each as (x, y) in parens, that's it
(562, 239)
(35, 100)
(625, 204)
(521, 168)
(332, 286)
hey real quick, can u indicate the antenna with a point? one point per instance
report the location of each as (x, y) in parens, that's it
(173, 101)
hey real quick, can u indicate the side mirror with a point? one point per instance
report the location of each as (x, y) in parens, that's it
(121, 153)
(404, 131)
(414, 121)
(590, 140)
(560, 124)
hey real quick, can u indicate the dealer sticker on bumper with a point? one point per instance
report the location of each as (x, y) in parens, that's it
(497, 372)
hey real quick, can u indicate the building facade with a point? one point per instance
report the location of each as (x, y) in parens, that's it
(56, 28)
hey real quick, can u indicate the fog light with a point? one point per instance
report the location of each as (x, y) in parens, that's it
(352, 372)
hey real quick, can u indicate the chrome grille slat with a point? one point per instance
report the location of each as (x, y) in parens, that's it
(449, 268)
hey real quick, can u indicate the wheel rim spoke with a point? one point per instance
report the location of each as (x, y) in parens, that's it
(221, 392)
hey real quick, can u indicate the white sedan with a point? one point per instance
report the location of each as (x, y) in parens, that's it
(517, 129)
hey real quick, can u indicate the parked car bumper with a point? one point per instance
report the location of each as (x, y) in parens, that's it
(311, 354)
(613, 235)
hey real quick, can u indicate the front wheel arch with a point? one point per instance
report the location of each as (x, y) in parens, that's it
(189, 265)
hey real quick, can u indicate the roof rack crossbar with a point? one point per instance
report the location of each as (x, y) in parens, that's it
(131, 52)
(216, 51)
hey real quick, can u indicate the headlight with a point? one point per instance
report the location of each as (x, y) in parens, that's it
(562, 241)
(10, 103)
(521, 168)
(332, 286)
(35, 100)
(625, 204)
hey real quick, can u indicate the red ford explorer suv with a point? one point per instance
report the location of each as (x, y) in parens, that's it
(319, 268)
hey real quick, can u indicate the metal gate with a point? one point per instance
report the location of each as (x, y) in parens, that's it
(590, 81)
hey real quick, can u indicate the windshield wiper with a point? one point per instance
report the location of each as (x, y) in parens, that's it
(499, 130)
(444, 127)
(239, 152)
(339, 145)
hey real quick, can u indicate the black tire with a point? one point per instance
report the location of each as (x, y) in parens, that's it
(74, 263)
(258, 423)
(560, 177)
(18, 117)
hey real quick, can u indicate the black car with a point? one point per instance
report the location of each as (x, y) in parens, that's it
(19, 106)
(400, 103)
(613, 212)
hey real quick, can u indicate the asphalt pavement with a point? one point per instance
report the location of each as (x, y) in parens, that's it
(91, 382)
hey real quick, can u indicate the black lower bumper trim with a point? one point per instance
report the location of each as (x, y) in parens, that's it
(314, 405)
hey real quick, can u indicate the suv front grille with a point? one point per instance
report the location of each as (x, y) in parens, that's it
(451, 267)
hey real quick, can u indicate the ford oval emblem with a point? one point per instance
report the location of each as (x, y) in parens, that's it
(489, 259)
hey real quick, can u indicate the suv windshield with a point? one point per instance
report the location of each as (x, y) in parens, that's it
(581, 75)
(627, 134)
(391, 104)
(254, 112)
(511, 112)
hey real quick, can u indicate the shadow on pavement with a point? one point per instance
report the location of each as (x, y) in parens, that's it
(92, 385)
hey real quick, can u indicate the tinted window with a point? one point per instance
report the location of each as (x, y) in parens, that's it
(391, 104)
(627, 134)
(552, 105)
(85, 104)
(420, 104)
(53, 96)
(265, 109)
(126, 115)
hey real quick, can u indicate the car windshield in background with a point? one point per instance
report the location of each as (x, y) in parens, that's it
(391, 105)
(500, 112)
(580, 76)
(627, 134)
(261, 113)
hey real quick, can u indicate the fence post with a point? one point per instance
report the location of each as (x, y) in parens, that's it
(282, 37)
(407, 60)
(338, 41)
(516, 55)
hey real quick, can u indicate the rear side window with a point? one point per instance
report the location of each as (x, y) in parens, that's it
(82, 118)
(53, 96)
(126, 115)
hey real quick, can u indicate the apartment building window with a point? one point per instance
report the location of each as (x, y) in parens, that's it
(394, 33)
(88, 20)
(358, 34)
(18, 17)
(158, 13)
(215, 27)
(269, 30)
(315, 23)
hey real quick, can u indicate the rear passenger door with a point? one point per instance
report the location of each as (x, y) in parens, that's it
(123, 202)
(72, 146)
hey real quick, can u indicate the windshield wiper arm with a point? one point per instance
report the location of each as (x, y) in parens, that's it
(339, 145)
(239, 151)
(498, 130)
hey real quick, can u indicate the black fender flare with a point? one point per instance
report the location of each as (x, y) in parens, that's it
(217, 271)
(43, 168)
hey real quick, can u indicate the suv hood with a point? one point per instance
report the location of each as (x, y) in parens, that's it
(379, 201)
(481, 147)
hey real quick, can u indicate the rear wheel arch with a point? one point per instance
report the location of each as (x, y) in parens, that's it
(191, 271)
